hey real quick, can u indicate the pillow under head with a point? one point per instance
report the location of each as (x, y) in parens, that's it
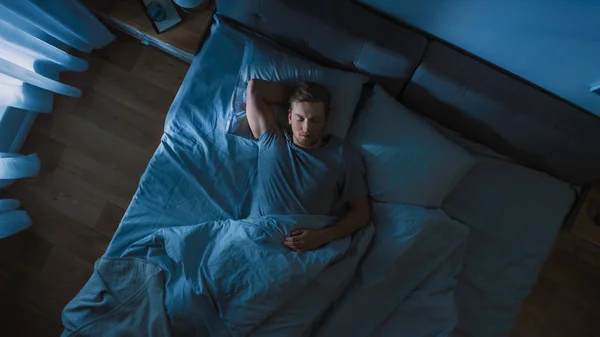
(407, 159)
(264, 60)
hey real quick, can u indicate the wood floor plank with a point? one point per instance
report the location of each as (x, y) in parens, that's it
(48, 150)
(110, 218)
(567, 317)
(25, 251)
(59, 192)
(593, 321)
(83, 80)
(134, 92)
(24, 320)
(128, 124)
(60, 229)
(66, 103)
(84, 136)
(576, 277)
(96, 178)
(124, 52)
(564, 297)
(161, 69)
(61, 279)
(83, 241)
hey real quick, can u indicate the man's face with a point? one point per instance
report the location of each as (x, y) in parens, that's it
(308, 122)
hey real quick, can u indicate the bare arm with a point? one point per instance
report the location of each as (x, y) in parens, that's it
(260, 97)
(356, 218)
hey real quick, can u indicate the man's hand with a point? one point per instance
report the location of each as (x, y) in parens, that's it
(304, 239)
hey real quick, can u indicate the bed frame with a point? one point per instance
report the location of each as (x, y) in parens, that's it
(461, 92)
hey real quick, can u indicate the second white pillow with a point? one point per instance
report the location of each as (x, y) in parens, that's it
(407, 159)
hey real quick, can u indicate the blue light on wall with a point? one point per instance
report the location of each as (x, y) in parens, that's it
(554, 44)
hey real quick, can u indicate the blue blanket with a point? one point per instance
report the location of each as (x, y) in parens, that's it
(236, 278)
(218, 278)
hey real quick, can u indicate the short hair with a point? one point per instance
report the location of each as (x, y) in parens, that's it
(312, 92)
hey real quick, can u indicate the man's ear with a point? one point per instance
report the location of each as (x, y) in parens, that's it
(290, 116)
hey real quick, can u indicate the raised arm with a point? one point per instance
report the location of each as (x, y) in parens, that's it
(261, 96)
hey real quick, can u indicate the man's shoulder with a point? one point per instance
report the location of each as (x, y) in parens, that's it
(343, 151)
(271, 137)
(335, 142)
(349, 153)
(342, 145)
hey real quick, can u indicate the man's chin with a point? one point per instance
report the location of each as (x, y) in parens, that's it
(307, 143)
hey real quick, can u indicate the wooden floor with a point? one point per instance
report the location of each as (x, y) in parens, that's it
(566, 299)
(94, 150)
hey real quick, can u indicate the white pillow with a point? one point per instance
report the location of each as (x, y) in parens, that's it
(266, 61)
(407, 159)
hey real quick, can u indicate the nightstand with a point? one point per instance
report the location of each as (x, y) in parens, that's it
(182, 41)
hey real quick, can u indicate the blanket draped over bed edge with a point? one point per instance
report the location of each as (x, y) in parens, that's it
(218, 278)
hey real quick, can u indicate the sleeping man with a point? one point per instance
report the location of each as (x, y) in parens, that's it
(304, 172)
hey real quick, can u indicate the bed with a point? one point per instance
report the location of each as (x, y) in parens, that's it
(459, 229)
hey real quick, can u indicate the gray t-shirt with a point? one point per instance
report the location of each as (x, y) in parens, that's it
(295, 180)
